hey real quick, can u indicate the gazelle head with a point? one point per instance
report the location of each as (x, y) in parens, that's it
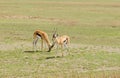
(55, 35)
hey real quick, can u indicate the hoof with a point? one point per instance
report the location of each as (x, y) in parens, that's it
(49, 50)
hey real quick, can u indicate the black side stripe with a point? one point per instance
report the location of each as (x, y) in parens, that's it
(38, 34)
(65, 41)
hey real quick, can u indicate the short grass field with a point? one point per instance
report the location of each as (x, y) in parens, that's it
(93, 27)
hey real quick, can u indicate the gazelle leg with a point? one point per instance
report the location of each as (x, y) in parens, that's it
(56, 49)
(66, 47)
(62, 50)
(45, 46)
(41, 44)
(34, 43)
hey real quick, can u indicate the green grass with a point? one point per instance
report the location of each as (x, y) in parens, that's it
(93, 27)
(36, 64)
(21, 63)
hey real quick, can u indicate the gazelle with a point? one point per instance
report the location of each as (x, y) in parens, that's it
(44, 38)
(63, 41)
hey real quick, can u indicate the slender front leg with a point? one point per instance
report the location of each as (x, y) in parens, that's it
(41, 44)
(34, 44)
(62, 49)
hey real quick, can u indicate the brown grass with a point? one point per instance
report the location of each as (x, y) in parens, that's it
(105, 4)
(67, 22)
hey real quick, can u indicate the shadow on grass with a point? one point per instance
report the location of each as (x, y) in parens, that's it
(52, 57)
(31, 51)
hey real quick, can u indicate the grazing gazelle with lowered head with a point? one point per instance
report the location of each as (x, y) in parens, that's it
(44, 38)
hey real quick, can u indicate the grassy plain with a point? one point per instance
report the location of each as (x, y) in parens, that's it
(93, 26)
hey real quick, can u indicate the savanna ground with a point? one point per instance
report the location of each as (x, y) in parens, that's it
(93, 26)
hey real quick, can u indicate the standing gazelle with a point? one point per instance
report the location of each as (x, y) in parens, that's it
(44, 37)
(63, 41)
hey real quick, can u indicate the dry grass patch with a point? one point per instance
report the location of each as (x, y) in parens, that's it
(59, 21)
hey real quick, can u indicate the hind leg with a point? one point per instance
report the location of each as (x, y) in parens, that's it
(67, 47)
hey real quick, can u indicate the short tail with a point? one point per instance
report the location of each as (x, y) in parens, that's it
(68, 40)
